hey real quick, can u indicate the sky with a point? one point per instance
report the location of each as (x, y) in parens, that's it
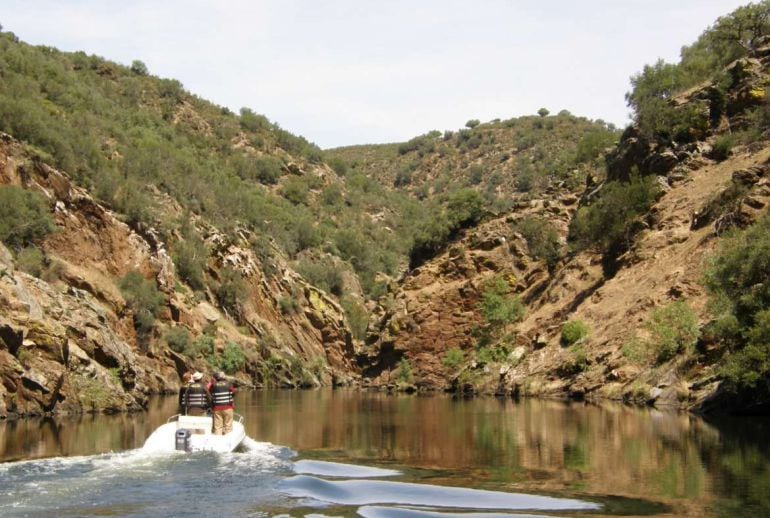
(344, 72)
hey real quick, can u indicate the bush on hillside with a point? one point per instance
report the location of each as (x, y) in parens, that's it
(542, 240)
(201, 347)
(190, 260)
(24, 217)
(323, 273)
(453, 358)
(723, 145)
(265, 169)
(593, 144)
(673, 330)
(31, 260)
(296, 190)
(231, 360)
(357, 316)
(178, 339)
(138, 67)
(732, 36)
(498, 306)
(607, 222)
(573, 331)
(404, 372)
(231, 290)
(143, 299)
(738, 280)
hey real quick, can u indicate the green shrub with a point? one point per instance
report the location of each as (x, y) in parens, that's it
(738, 280)
(723, 145)
(492, 354)
(475, 175)
(332, 196)
(750, 366)
(190, 261)
(296, 191)
(139, 68)
(464, 208)
(143, 299)
(201, 347)
(403, 177)
(542, 240)
(288, 305)
(730, 37)
(231, 360)
(24, 217)
(593, 144)
(453, 358)
(636, 350)
(251, 121)
(575, 363)
(265, 169)
(673, 330)
(498, 306)
(323, 273)
(339, 165)
(404, 373)
(543, 112)
(178, 339)
(607, 221)
(573, 331)
(357, 316)
(472, 123)
(231, 290)
(31, 260)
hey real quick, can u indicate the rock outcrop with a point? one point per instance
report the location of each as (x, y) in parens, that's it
(68, 344)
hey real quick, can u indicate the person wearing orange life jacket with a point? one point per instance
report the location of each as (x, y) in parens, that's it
(197, 399)
(222, 393)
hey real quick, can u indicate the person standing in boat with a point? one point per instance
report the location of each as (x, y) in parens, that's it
(197, 399)
(222, 394)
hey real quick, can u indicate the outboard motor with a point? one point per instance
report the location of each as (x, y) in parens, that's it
(183, 439)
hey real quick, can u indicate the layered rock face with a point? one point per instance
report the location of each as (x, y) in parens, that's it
(69, 344)
(436, 308)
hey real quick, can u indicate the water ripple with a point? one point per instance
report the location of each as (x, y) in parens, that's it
(365, 492)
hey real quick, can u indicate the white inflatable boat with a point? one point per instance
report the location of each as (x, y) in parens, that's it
(194, 433)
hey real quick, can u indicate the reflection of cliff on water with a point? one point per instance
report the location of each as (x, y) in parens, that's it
(532, 445)
(740, 463)
(87, 434)
(542, 445)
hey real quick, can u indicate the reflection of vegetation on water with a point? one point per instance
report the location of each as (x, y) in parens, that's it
(654, 462)
(81, 434)
(740, 469)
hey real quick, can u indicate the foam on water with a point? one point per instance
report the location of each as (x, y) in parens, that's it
(365, 492)
(401, 512)
(334, 469)
(142, 483)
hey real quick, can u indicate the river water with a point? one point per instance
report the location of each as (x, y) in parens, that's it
(349, 453)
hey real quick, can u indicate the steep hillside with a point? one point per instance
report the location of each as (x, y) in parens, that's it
(147, 232)
(72, 329)
(501, 159)
(636, 310)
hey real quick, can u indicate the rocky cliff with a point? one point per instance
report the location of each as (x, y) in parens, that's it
(436, 309)
(68, 343)
(449, 262)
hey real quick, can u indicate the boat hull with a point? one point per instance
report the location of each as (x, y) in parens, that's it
(191, 434)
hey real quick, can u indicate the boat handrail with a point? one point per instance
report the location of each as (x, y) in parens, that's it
(175, 417)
